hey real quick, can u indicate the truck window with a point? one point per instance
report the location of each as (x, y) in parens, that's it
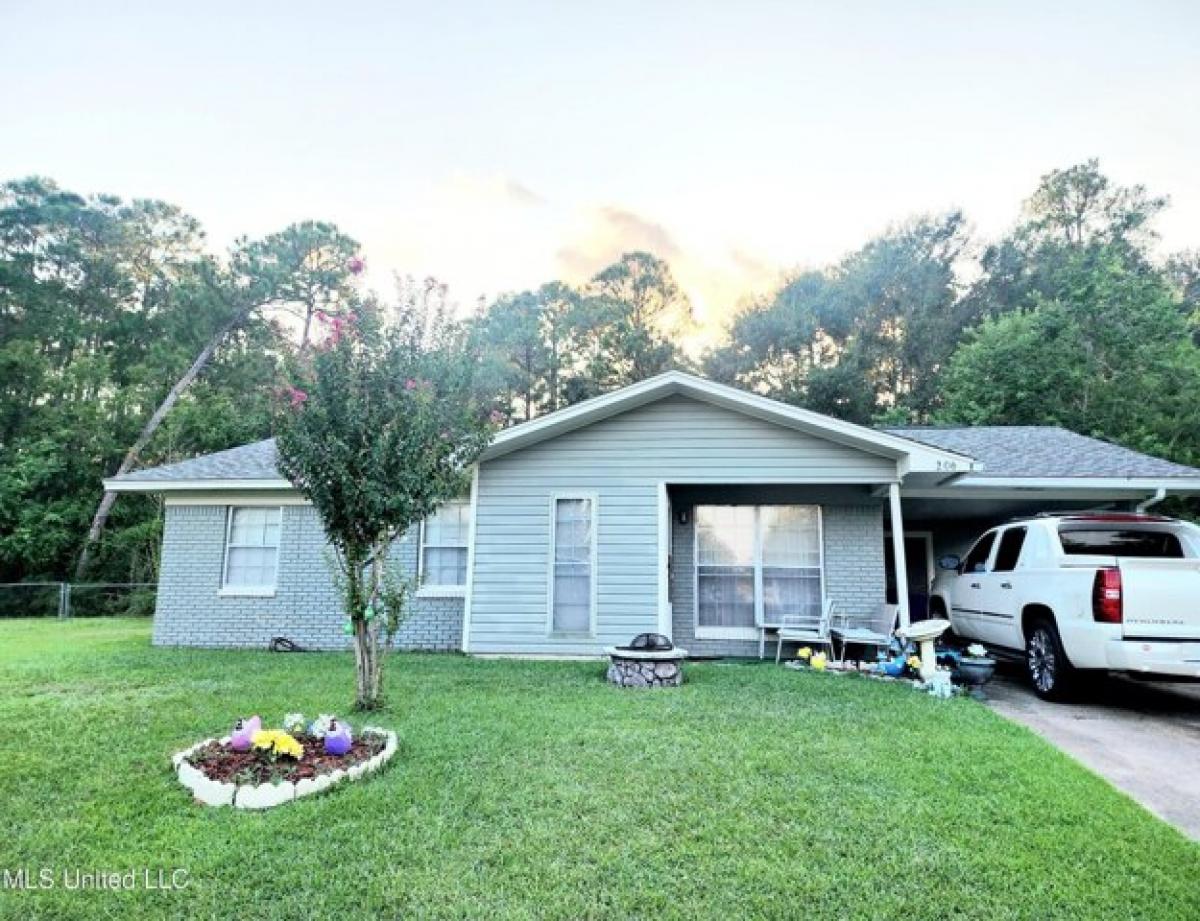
(976, 560)
(1010, 550)
(1121, 542)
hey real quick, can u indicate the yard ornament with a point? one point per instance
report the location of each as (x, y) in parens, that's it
(243, 733)
(337, 738)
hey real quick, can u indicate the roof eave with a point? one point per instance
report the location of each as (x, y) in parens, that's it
(976, 487)
(120, 484)
(1176, 484)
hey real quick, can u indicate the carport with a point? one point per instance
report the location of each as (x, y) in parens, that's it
(1022, 470)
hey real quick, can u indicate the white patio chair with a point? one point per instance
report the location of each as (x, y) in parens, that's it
(813, 631)
(875, 631)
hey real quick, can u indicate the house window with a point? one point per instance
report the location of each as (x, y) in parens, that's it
(791, 562)
(445, 537)
(726, 550)
(252, 549)
(573, 548)
(756, 566)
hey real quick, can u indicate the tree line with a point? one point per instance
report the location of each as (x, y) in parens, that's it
(124, 342)
(1071, 319)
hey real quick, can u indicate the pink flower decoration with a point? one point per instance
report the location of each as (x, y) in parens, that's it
(356, 265)
(296, 396)
(410, 384)
(496, 417)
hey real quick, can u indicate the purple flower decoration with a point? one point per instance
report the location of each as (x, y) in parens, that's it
(337, 738)
(243, 732)
(356, 265)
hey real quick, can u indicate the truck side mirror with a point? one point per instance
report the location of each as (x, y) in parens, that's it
(949, 562)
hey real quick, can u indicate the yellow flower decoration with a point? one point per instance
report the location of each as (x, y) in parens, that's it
(914, 662)
(277, 742)
(804, 653)
(818, 661)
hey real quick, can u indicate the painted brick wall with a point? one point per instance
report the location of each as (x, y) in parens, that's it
(854, 574)
(305, 608)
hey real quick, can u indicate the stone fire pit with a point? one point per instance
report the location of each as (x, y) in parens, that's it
(645, 668)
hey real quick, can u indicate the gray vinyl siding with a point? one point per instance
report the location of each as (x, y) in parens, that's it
(306, 607)
(621, 461)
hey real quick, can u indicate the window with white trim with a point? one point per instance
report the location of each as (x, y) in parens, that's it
(252, 548)
(572, 564)
(445, 537)
(756, 566)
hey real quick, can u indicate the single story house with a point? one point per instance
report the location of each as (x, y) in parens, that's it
(675, 505)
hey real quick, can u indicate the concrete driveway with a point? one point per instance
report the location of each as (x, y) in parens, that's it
(1143, 738)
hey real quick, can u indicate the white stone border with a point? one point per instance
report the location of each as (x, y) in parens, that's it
(264, 796)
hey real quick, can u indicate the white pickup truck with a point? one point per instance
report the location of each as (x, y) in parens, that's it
(1079, 593)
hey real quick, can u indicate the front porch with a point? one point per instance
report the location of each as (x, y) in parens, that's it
(740, 555)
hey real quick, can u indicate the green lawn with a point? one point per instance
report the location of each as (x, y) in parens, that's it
(536, 790)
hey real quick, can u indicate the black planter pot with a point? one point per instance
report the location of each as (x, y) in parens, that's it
(975, 673)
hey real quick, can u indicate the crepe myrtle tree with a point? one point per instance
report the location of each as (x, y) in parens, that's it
(380, 425)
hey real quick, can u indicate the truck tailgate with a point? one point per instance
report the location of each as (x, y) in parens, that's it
(1161, 598)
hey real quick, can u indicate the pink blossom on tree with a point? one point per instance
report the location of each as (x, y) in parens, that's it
(296, 397)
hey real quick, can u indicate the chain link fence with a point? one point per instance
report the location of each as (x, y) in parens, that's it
(76, 599)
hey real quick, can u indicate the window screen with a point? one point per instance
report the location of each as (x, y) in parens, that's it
(252, 550)
(444, 540)
(571, 604)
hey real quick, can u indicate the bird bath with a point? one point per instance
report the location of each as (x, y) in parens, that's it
(923, 633)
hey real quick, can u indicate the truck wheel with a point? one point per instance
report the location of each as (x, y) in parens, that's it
(1052, 676)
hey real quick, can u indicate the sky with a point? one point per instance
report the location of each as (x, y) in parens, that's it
(500, 145)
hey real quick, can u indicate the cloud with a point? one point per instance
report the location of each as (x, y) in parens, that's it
(491, 189)
(610, 232)
(521, 194)
(759, 270)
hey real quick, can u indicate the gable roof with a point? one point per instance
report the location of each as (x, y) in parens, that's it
(1043, 451)
(251, 466)
(911, 455)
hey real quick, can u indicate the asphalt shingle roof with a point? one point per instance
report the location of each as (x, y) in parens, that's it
(249, 462)
(1004, 451)
(1042, 451)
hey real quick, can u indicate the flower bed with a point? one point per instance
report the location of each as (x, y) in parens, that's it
(277, 768)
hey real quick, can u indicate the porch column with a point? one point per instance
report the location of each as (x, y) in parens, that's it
(664, 560)
(898, 558)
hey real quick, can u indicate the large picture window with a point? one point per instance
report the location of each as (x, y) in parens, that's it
(572, 564)
(252, 549)
(756, 566)
(445, 537)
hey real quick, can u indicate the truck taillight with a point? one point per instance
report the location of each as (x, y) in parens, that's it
(1106, 597)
